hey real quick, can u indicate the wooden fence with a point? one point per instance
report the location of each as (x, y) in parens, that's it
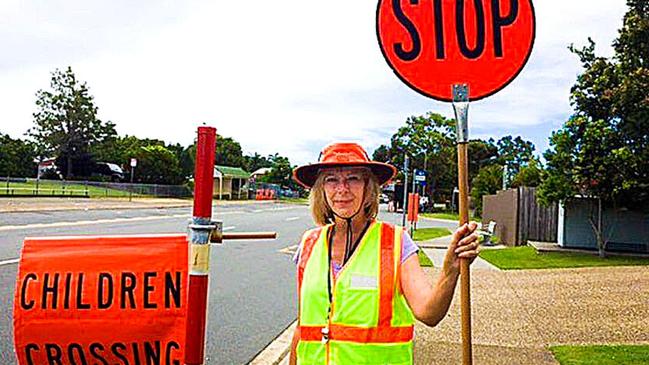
(519, 217)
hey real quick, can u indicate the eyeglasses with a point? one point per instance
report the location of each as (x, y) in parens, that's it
(353, 180)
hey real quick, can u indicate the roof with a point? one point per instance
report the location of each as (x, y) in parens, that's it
(229, 171)
(262, 171)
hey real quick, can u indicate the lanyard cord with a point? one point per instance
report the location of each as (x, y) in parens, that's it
(349, 250)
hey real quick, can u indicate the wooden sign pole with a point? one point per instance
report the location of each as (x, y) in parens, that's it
(461, 108)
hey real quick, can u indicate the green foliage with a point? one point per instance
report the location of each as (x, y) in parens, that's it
(601, 354)
(228, 152)
(16, 157)
(526, 257)
(488, 181)
(452, 216)
(516, 153)
(281, 172)
(156, 165)
(255, 161)
(66, 123)
(424, 260)
(481, 154)
(603, 150)
(429, 141)
(424, 234)
(530, 175)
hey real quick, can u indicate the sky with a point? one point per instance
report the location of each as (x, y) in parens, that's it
(283, 77)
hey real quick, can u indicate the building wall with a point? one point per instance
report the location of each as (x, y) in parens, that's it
(227, 187)
(625, 230)
(502, 209)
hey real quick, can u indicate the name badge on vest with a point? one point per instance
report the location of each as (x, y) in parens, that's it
(363, 282)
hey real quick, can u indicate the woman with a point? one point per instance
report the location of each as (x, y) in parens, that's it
(360, 285)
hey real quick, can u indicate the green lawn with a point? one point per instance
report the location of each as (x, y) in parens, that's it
(424, 234)
(601, 354)
(58, 188)
(424, 260)
(526, 257)
(303, 201)
(448, 216)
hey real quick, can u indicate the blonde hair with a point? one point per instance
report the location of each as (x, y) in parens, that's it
(322, 213)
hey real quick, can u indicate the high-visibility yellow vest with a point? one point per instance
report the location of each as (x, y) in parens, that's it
(370, 321)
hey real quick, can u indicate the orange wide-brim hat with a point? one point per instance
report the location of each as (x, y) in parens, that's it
(343, 155)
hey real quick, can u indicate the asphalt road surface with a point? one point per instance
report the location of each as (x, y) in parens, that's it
(252, 283)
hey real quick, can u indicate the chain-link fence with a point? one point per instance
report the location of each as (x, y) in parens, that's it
(26, 187)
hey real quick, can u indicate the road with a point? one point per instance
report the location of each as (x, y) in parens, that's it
(252, 283)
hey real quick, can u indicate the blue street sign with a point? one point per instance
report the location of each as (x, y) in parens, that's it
(420, 175)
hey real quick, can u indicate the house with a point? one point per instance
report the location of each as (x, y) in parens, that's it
(623, 229)
(230, 182)
(259, 173)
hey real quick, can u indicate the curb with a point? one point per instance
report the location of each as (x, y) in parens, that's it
(276, 352)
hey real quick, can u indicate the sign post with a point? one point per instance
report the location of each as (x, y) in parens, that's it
(133, 164)
(200, 231)
(443, 49)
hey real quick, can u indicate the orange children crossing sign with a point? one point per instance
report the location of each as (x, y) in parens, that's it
(101, 300)
(432, 45)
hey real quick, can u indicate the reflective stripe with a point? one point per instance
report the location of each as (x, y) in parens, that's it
(311, 237)
(387, 276)
(358, 334)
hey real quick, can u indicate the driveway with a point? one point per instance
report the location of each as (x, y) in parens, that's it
(517, 314)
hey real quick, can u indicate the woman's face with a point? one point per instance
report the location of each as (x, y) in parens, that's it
(344, 190)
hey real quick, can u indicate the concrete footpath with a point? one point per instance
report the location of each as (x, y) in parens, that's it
(517, 314)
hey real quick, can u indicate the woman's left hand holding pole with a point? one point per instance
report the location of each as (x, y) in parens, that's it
(464, 245)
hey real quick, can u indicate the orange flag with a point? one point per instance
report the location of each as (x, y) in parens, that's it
(101, 300)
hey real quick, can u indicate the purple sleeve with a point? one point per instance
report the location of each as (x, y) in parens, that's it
(409, 247)
(296, 257)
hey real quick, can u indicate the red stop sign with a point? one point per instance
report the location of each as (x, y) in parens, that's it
(433, 44)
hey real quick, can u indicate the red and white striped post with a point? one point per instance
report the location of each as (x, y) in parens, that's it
(200, 231)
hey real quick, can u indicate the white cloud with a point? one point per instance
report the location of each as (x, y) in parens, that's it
(281, 77)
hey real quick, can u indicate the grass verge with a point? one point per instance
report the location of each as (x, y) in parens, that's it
(601, 354)
(303, 201)
(424, 234)
(60, 189)
(424, 260)
(448, 216)
(526, 257)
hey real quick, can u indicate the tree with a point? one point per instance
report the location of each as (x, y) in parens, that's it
(530, 175)
(185, 156)
(66, 123)
(515, 153)
(488, 181)
(228, 152)
(281, 172)
(602, 151)
(429, 141)
(254, 162)
(156, 165)
(481, 153)
(16, 157)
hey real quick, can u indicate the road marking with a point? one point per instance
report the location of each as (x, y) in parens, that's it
(99, 221)
(7, 262)
(118, 220)
(292, 219)
(290, 250)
